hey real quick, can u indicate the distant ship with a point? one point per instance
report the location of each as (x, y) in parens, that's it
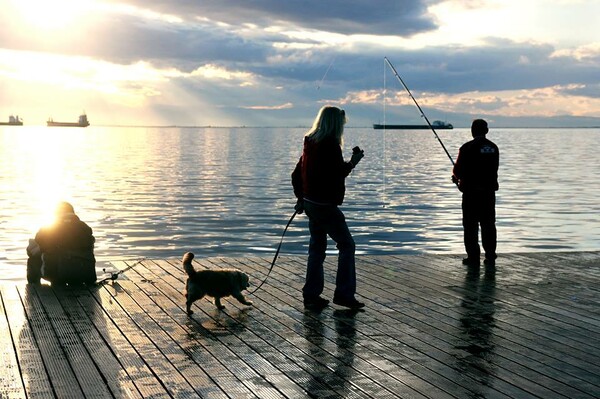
(83, 122)
(13, 121)
(435, 124)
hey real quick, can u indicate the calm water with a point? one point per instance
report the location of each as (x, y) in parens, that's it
(158, 192)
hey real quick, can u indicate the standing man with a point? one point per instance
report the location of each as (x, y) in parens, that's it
(476, 173)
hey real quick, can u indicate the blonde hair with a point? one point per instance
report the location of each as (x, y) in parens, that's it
(329, 123)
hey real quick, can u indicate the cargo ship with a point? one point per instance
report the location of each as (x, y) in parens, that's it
(83, 122)
(13, 121)
(435, 125)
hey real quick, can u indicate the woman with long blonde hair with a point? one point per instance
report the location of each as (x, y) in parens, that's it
(319, 185)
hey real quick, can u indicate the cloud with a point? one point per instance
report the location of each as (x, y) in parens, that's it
(589, 52)
(584, 90)
(270, 107)
(377, 17)
(252, 61)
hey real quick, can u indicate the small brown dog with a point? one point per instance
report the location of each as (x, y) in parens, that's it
(215, 283)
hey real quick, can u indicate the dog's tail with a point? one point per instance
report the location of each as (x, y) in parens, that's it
(187, 264)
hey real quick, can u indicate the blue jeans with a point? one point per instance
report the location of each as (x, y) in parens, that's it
(326, 220)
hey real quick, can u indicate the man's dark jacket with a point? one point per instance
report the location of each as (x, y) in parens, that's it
(477, 165)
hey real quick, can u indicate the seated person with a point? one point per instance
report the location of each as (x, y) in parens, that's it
(62, 253)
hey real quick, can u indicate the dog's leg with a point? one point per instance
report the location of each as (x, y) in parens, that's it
(188, 303)
(218, 303)
(240, 297)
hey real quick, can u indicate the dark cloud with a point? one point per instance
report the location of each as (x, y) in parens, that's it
(588, 90)
(126, 39)
(495, 66)
(378, 17)
(303, 71)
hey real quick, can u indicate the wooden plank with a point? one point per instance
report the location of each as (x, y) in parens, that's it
(101, 352)
(526, 378)
(537, 367)
(319, 354)
(36, 381)
(338, 328)
(431, 328)
(519, 347)
(143, 311)
(91, 382)
(390, 355)
(137, 369)
(391, 324)
(164, 371)
(56, 362)
(453, 294)
(11, 384)
(238, 352)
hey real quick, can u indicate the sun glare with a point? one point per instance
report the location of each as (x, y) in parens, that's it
(55, 14)
(44, 179)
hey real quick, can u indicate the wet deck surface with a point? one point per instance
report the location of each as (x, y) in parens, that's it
(431, 329)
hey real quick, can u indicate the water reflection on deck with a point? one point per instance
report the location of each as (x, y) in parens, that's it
(431, 328)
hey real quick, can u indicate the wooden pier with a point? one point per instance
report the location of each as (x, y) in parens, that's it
(431, 329)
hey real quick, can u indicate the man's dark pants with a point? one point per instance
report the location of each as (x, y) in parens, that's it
(479, 209)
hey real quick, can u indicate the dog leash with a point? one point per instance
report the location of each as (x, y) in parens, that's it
(276, 252)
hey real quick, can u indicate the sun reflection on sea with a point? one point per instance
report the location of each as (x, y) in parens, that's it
(42, 173)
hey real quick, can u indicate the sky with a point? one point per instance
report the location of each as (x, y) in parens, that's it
(516, 63)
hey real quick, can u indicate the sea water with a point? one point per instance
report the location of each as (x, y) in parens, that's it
(159, 192)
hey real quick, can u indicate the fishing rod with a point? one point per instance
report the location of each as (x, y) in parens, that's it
(114, 275)
(420, 110)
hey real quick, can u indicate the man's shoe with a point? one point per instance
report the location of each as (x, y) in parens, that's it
(489, 262)
(470, 262)
(351, 303)
(317, 303)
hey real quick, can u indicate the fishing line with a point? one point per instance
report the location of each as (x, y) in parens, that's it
(328, 68)
(420, 110)
(384, 132)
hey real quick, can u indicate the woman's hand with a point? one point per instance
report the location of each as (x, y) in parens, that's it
(357, 155)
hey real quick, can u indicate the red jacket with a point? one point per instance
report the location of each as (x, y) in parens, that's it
(320, 173)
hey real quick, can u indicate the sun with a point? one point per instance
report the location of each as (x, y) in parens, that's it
(51, 15)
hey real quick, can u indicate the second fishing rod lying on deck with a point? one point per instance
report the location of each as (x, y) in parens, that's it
(420, 110)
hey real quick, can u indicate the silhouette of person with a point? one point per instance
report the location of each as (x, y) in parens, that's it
(476, 173)
(318, 182)
(62, 253)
